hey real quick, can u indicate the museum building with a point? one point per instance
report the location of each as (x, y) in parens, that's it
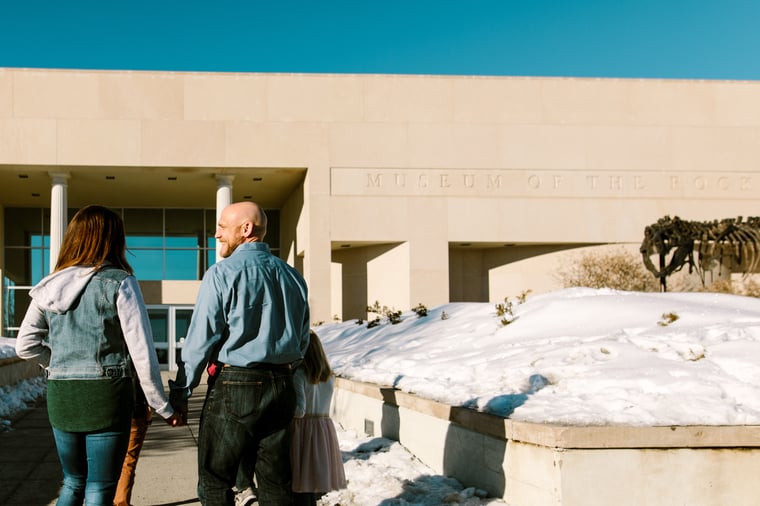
(399, 189)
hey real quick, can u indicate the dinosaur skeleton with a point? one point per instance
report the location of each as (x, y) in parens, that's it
(735, 242)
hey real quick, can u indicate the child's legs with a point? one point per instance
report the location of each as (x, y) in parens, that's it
(127, 479)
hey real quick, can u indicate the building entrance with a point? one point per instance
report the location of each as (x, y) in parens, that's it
(169, 324)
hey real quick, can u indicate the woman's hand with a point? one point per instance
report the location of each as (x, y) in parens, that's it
(176, 420)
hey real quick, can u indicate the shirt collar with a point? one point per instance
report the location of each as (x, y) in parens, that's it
(252, 246)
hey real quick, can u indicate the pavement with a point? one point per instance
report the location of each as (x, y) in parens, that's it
(167, 475)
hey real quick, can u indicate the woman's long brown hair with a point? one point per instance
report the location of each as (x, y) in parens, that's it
(95, 237)
(315, 361)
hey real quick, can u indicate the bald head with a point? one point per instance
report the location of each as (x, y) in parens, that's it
(240, 222)
(249, 212)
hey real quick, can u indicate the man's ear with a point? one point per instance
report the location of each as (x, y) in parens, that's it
(248, 229)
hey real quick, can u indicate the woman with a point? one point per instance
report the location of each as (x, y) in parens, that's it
(87, 324)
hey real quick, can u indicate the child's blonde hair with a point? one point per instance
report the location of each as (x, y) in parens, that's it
(315, 361)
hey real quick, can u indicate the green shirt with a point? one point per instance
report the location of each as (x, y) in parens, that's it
(92, 404)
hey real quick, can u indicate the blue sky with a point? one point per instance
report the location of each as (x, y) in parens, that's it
(695, 39)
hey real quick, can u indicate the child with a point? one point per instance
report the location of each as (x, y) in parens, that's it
(315, 454)
(142, 417)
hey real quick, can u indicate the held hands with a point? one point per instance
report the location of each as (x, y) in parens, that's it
(178, 419)
(180, 413)
(178, 400)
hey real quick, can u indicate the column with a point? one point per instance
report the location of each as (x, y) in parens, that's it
(223, 199)
(58, 214)
(427, 234)
(311, 240)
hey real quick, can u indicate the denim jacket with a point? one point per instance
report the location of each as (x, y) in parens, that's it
(87, 324)
(88, 339)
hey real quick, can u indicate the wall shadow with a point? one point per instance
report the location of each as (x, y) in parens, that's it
(489, 443)
(356, 278)
(390, 422)
(425, 489)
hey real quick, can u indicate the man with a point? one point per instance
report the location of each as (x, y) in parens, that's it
(251, 319)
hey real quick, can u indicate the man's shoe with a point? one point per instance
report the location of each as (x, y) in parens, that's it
(245, 497)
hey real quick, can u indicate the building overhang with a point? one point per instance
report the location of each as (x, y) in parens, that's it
(146, 187)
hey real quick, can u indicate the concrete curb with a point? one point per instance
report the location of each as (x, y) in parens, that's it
(14, 369)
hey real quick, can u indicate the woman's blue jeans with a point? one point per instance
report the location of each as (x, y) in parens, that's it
(91, 464)
(247, 412)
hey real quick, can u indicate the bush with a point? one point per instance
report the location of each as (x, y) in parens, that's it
(420, 309)
(392, 315)
(752, 288)
(749, 287)
(504, 311)
(624, 270)
(719, 286)
(619, 270)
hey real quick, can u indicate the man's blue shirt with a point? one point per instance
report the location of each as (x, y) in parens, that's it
(252, 307)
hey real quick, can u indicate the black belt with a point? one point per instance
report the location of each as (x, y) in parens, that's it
(266, 366)
(117, 371)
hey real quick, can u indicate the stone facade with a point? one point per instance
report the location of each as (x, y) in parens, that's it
(400, 189)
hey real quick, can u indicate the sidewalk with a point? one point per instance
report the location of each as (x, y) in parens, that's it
(167, 475)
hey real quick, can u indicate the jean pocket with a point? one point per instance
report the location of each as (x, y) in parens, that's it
(242, 398)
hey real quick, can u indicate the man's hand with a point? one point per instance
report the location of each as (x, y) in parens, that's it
(177, 419)
(178, 400)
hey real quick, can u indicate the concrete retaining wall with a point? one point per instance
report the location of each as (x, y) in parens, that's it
(540, 465)
(14, 369)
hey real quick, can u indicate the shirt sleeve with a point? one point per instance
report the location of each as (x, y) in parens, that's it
(207, 328)
(305, 330)
(135, 325)
(30, 341)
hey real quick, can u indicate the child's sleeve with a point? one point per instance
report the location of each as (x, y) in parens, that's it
(299, 382)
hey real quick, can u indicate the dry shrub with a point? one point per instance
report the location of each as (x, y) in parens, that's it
(722, 285)
(752, 288)
(619, 270)
(747, 286)
(624, 270)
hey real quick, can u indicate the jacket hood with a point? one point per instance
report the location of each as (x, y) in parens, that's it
(59, 291)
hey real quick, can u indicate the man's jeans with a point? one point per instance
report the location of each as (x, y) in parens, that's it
(91, 464)
(247, 412)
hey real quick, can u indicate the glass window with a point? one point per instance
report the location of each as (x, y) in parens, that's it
(162, 244)
(211, 248)
(143, 222)
(26, 260)
(159, 324)
(181, 324)
(40, 257)
(181, 263)
(9, 305)
(17, 266)
(27, 245)
(182, 317)
(273, 231)
(147, 264)
(166, 243)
